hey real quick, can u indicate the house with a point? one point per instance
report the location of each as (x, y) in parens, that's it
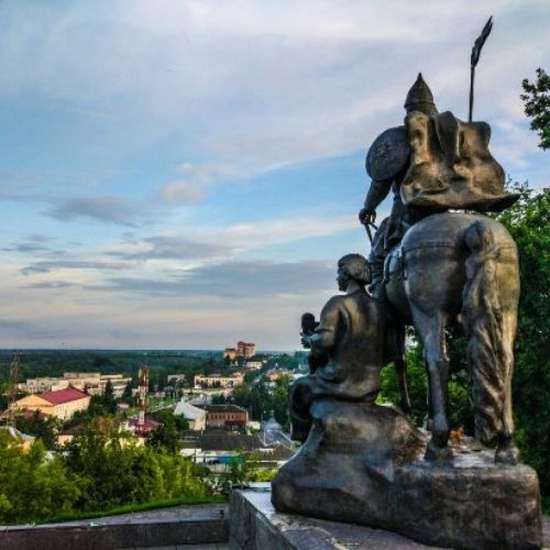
(254, 365)
(62, 404)
(93, 383)
(218, 449)
(195, 416)
(225, 416)
(218, 381)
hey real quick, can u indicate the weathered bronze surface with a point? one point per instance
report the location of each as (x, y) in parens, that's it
(363, 464)
(451, 166)
(429, 267)
(389, 154)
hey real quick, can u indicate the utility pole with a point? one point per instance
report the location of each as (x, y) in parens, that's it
(15, 368)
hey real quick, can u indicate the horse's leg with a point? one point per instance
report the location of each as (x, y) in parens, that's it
(507, 452)
(401, 369)
(431, 331)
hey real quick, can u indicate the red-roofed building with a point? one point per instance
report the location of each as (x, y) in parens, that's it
(59, 403)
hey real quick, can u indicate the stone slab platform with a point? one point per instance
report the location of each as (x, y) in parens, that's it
(166, 528)
(255, 525)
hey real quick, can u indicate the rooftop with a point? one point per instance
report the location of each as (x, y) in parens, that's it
(66, 395)
(223, 408)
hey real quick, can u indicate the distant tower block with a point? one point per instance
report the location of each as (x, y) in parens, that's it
(143, 388)
(246, 349)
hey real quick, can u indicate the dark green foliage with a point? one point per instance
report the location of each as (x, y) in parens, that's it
(112, 470)
(127, 396)
(39, 426)
(529, 223)
(166, 436)
(32, 488)
(537, 105)
(262, 399)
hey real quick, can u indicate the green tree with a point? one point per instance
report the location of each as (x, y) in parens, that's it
(166, 435)
(39, 426)
(529, 223)
(31, 487)
(127, 396)
(537, 105)
(280, 401)
(108, 399)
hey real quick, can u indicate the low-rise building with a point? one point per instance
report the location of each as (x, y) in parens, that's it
(195, 416)
(254, 365)
(225, 416)
(219, 449)
(62, 404)
(93, 383)
(218, 380)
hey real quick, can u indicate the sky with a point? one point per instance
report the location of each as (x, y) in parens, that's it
(186, 174)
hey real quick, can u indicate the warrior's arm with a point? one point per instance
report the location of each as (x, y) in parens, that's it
(378, 191)
(324, 337)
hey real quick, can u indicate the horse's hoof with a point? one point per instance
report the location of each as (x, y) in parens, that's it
(508, 454)
(435, 453)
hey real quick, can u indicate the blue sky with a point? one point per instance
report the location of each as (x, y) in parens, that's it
(184, 174)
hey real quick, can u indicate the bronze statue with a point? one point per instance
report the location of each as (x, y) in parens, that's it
(447, 263)
(437, 260)
(433, 163)
(349, 346)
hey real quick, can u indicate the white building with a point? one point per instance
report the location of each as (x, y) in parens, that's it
(195, 416)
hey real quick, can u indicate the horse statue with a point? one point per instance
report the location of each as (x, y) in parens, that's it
(461, 267)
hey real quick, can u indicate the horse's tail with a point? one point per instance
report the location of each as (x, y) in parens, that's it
(489, 317)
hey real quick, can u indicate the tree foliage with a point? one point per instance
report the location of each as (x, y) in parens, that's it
(529, 223)
(537, 105)
(39, 426)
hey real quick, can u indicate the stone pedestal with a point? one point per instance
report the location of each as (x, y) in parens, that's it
(364, 464)
(255, 525)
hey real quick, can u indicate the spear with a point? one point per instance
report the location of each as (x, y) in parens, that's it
(476, 51)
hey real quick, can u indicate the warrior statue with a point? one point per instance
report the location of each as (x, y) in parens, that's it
(431, 164)
(437, 261)
(435, 266)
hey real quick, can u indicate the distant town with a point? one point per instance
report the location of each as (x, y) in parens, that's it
(223, 404)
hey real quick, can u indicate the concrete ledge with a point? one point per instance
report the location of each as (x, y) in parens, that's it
(255, 525)
(168, 527)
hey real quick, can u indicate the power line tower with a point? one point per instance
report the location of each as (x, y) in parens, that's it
(15, 369)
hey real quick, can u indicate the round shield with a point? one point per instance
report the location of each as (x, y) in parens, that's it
(389, 154)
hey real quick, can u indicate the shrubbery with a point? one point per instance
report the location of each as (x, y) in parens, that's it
(100, 469)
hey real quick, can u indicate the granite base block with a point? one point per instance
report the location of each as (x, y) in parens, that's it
(255, 525)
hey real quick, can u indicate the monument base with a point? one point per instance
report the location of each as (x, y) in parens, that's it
(364, 464)
(255, 525)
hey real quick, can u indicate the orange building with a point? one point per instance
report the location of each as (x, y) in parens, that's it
(62, 404)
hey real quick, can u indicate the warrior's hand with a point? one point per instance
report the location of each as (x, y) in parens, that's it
(367, 216)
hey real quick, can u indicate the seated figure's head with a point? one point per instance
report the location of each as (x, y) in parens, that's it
(353, 267)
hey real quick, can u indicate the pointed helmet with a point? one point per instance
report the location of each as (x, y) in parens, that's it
(420, 98)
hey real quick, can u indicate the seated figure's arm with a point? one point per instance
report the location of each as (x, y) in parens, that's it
(324, 337)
